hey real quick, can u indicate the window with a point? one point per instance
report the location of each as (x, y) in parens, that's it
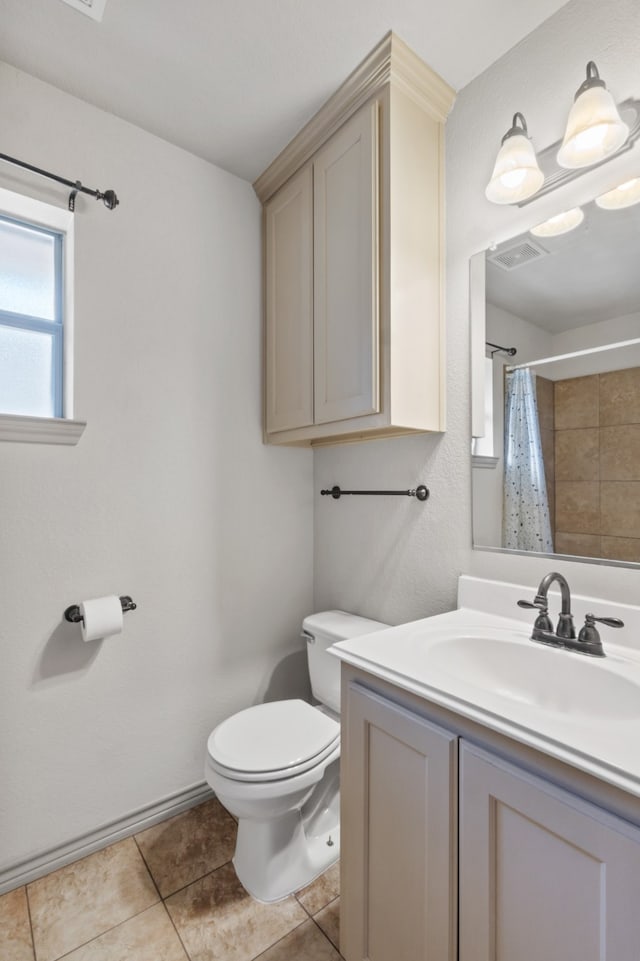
(482, 449)
(36, 309)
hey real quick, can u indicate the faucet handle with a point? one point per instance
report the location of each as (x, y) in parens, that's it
(543, 622)
(589, 639)
(607, 621)
(534, 605)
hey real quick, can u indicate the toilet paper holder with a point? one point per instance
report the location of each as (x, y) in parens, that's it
(73, 615)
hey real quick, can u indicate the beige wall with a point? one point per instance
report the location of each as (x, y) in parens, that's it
(170, 495)
(400, 560)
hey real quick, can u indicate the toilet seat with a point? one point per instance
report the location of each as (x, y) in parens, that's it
(272, 741)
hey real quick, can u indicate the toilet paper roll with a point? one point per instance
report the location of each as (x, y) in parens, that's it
(101, 617)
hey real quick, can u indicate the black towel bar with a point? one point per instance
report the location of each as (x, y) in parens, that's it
(420, 492)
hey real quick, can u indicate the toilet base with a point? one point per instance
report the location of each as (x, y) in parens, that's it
(275, 858)
(288, 830)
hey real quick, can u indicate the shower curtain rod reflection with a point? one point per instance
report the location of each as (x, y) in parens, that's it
(585, 352)
(108, 197)
(497, 349)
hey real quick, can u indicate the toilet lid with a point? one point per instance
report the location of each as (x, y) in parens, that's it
(284, 736)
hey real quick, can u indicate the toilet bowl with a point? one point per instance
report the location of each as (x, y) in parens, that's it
(275, 767)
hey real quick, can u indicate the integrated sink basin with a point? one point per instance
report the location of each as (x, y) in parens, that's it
(479, 664)
(526, 672)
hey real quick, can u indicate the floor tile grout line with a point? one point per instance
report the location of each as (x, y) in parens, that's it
(268, 948)
(33, 940)
(113, 927)
(144, 861)
(178, 935)
(314, 916)
(308, 916)
(321, 908)
(325, 935)
(200, 877)
(271, 946)
(304, 908)
(308, 910)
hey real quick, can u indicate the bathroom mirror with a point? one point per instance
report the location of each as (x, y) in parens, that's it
(556, 426)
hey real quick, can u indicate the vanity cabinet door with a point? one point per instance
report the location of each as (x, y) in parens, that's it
(288, 224)
(398, 789)
(544, 875)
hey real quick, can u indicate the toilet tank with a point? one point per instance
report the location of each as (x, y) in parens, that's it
(321, 631)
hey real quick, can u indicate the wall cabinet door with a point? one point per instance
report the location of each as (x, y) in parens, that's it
(544, 875)
(346, 271)
(289, 304)
(399, 787)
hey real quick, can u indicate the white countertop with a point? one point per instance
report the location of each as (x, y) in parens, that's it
(582, 710)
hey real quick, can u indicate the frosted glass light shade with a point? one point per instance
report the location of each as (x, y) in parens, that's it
(595, 129)
(624, 195)
(516, 175)
(560, 224)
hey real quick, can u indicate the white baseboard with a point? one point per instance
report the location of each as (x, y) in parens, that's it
(13, 876)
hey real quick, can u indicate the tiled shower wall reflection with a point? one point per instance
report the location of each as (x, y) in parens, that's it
(593, 464)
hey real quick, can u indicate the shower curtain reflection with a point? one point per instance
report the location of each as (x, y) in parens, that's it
(526, 524)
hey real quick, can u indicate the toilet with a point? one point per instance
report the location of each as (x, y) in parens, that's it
(276, 768)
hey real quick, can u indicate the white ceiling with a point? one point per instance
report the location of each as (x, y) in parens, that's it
(233, 80)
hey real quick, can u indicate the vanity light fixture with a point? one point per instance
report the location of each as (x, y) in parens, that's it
(560, 224)
(516, 174)
(595, 129)
(624, 195)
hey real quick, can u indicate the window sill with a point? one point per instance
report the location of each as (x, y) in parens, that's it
(40, 430)
(483, 460)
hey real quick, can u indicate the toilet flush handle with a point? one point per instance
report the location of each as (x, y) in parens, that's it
(309, 638)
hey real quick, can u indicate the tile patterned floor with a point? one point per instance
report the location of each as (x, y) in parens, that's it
(167, 894)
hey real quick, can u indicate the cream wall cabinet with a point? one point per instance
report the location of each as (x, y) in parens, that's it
(353, 222)
(345, 288)
(543, 873)
(289, 304)
(321, 284)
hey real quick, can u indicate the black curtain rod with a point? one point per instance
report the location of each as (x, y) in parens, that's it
(497, 349)
(108, 197)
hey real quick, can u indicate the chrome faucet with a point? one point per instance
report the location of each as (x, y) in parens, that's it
(565, 628)
(588, 640)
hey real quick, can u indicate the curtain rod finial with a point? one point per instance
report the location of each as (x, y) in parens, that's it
(109, 199)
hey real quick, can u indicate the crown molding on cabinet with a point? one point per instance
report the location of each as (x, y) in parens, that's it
(391, 62)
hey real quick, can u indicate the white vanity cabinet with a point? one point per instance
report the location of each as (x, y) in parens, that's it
(449, 851)
(543, 874)
(398, 827)
(353, 231)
